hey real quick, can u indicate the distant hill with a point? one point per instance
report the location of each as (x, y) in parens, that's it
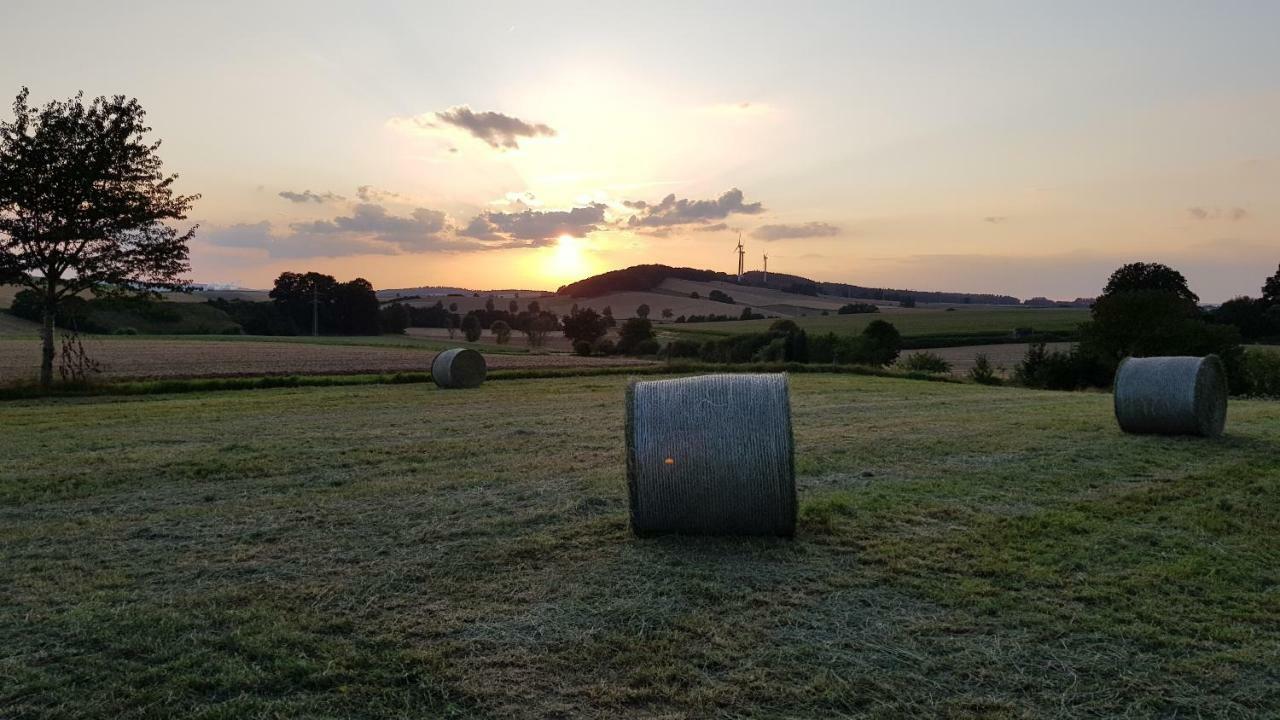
(647, 277)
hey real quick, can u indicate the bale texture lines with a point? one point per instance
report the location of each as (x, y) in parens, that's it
(458, 368)
(711, 455)
(1172, 395)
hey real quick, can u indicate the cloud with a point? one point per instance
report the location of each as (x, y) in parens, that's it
(689, 212)
(534, 228)
(789, 232)
(1233, 214)
(995, 219)
(712, 228)
(307, 196)
(497, 130)
(371, 194)
(368, 230)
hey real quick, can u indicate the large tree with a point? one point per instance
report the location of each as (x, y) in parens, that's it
(85, 206)
(1149, 276)
(1271, 289)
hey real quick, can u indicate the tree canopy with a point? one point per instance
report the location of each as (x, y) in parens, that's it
(85, 205)
(1149, 276)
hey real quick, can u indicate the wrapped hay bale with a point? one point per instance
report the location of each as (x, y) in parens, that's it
(458, 368)
(1172, 395)
(711, 455)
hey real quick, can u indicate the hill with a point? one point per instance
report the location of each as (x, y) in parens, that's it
(647, 277)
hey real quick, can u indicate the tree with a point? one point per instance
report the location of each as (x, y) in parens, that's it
(534, 307)
(86, 206)
(501, 331)
(513, 307)
(395, 318)
(880, 343)
(585, 325)
(355, 308)
(1271, 289)
(488, 303)
(307, 299)
(666, 313)
(453, 307)
(1149, 276)
(634, 333)
(471, 329)
(643, 310)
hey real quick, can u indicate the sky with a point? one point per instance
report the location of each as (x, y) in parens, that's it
(1026, 148)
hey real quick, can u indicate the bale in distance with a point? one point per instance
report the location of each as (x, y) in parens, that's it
(458, 368)
(711, 455)
(1172, 395)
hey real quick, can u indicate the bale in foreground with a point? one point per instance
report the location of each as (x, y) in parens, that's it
(1172, 395)
(711, 455)
(458, 368)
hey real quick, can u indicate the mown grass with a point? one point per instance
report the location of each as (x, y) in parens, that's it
(950, 327)
(396, 550)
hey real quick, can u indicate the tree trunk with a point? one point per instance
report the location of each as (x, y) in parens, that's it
(46, 352)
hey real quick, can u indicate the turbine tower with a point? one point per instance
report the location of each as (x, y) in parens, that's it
(742, 253)
(766, 269)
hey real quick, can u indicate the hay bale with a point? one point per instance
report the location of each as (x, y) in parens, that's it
(1172, 395)
(711, 455)
(458, 368)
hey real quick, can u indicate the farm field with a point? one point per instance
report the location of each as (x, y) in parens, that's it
(1005, 356)
(392, 551)
(911, 322)
(141, 357)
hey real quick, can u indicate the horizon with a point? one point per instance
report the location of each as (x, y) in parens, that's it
(1025, 150)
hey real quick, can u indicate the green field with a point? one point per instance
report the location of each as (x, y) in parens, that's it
(398, 551)
(912, 322)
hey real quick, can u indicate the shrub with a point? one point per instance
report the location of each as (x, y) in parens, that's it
(694, 295)
(125, 331)
(632, 333)
(1058, 370)
(926, 362)
(1261, 371)
(907, 302)
(604, 346)
(857, 309)
(983, 372)
(682, 349)
(647, 347)
(720, 296)
(471, 329)
(582, 347)
(502, 332)
(881, 343)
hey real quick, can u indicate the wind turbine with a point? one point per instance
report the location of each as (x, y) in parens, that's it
(741, 255)
(766, 268)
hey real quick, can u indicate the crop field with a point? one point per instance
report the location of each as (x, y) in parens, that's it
(395, 551)
(141, 357)
(912, 322)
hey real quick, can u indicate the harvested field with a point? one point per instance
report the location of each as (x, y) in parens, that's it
(400, 551)
(139, 359)
(1004, 357)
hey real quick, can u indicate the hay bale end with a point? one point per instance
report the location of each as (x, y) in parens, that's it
(711, 455)
(458, 368)
(1172, 395)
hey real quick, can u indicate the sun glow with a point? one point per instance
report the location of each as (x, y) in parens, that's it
(566, 262)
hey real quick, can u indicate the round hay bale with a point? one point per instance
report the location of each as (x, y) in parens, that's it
(458, 368)
(1172, 395)
(711, 455)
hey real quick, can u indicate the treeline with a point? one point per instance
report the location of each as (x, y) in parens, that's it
(1147, 309)
(879, 344)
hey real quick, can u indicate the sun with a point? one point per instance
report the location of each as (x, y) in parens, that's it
(566, 262)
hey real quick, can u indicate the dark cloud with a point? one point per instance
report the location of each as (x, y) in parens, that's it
(307, 196)
(421, 230)
(712, 228)
(689, 212)
(1233, 214)
(533, 228)
(494, 128)
(790, 232)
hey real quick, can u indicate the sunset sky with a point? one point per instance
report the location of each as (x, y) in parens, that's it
(1017, 147)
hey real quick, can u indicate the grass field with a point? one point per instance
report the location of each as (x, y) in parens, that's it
(397, 551)
(912, 322)
(149, 357)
